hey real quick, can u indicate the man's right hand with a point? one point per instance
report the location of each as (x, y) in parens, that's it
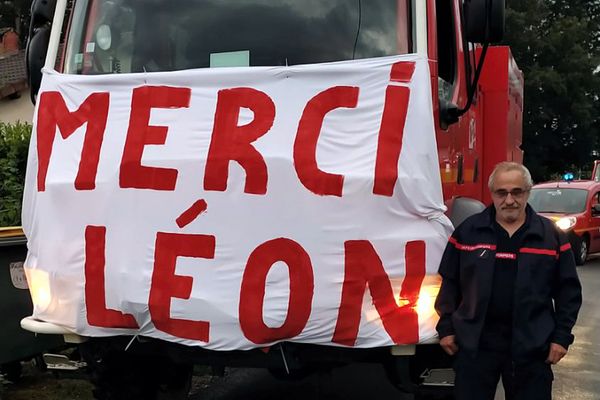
(449, 345)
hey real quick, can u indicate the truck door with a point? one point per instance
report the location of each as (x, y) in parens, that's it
(595, 220)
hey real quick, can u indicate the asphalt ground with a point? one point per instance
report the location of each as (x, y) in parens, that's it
(20, 109)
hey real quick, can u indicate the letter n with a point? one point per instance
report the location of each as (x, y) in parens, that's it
(364, 267)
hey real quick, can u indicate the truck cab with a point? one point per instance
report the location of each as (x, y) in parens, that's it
(476, 92)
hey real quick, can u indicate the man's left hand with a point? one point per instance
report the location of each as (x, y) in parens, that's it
(557, 352)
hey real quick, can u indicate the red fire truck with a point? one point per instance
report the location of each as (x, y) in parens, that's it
(477, 92)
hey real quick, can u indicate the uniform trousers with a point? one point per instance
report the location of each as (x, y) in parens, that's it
(477, 377)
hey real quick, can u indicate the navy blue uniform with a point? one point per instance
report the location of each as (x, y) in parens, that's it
(506, 299)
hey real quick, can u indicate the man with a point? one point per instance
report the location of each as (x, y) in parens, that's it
(510, 295)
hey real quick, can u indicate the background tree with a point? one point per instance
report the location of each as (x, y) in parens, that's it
(557, 45)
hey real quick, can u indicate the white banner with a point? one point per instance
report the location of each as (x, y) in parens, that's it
(233, 208)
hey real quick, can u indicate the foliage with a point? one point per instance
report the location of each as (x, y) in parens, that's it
(557, 45)
(14, 144)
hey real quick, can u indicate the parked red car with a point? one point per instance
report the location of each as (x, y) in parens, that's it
(575, 208)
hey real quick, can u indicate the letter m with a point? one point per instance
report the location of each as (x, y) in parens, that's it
(53, 113)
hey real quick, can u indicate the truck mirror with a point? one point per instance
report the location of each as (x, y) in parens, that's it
(42, 12)
(596, 210)
(483, 23)
(37, 47)
(484, 20)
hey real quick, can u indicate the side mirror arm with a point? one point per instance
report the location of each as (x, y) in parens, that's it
(484, 23)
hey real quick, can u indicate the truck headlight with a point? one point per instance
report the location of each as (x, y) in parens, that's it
(425, 303)
(566, 223)
(39, 288)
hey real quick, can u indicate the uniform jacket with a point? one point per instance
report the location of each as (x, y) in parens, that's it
(547, 292)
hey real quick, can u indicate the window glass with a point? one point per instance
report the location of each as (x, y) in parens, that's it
(596, 199)
(153, 35)
(446, 43)
(567, 201)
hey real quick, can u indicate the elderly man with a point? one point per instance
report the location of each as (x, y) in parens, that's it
(510, 295)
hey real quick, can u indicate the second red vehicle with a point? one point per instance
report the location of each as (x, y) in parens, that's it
(575, 208)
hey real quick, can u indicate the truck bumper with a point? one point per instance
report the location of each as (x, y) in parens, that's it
(33, 325)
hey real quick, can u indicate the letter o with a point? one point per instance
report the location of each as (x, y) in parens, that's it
(252, 293)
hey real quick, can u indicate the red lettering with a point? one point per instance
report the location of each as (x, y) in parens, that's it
(231, 142)
(53, 113)
(166, 285)
(133, 174)
(191, 213)
(391, 130)
(95, 303)
(309, 129)
(363, 266)
(252, 293)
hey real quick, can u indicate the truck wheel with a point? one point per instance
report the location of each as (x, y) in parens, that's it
(12, 371)
(120, 375)
(581, 252)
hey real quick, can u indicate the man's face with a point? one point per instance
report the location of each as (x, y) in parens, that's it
(510, 194)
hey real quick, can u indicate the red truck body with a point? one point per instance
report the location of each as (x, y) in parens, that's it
(487, 131)
(491, 130)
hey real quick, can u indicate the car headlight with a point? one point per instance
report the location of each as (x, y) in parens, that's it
(566, 223)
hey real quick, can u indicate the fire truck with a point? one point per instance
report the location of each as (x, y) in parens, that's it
(477, 96)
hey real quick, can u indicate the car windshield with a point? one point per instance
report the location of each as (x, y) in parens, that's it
(558, 200)
(119, 36)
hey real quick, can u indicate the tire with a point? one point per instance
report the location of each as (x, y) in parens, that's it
(120, 375)
(39, 363)
(12, 371)
(581, 252)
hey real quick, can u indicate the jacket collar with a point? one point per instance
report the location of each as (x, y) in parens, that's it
(487, 218)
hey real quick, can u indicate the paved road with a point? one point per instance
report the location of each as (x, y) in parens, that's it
(577, 377)
(20, 109)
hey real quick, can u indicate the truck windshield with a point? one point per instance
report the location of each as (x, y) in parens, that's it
(563, 201)
(119, 36)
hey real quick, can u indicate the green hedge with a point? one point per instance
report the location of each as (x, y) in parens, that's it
(14, 143)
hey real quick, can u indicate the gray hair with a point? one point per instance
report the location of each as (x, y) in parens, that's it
(506, 166)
